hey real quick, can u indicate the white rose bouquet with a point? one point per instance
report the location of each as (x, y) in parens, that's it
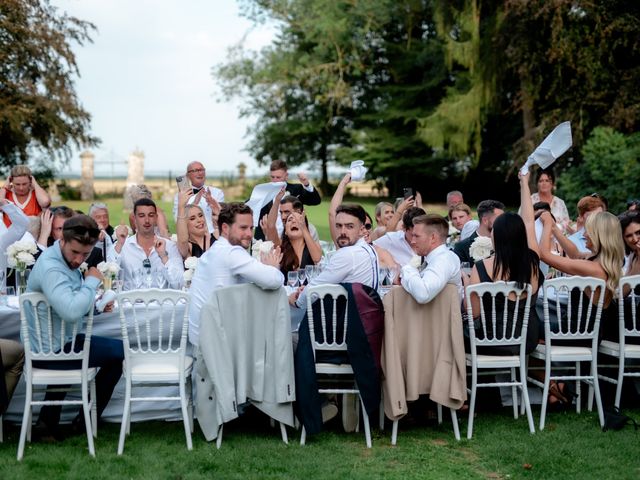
(109, 271)
(190, 265)
(261, 247)
(20, 254)
(481, 248)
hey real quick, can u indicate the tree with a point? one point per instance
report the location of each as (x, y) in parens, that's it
(39, 109)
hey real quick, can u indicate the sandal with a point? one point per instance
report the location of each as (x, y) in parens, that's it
(554, 391)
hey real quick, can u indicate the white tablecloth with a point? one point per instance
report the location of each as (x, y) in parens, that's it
(104, 325)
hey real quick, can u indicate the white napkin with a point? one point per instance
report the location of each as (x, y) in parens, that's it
(261, 195)
(552, 147)
(357, 170)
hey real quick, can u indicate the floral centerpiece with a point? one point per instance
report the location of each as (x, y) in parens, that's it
(190, 265)
(261, 247)
(109, 271)
(481, 248)
(20, 255)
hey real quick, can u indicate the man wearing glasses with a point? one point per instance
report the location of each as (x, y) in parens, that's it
(56, 274)
(207, 197)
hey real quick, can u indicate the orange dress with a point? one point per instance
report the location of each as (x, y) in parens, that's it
(30, 207)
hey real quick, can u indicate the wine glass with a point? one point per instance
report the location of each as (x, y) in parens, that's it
(302, 275)
(161, 278)
(383, 273)
(138, 278)
(292, 278)
(310, 270)
(392, 273)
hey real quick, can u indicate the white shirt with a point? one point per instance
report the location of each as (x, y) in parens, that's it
(443, 267)
(216, 193)
(132, 255)
(397, 246)
(355, 264)
(221, 266)
(468, 229)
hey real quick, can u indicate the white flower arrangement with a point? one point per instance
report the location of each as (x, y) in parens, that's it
(261, 247)
(415, 261)
(20, 254)
(190, 265)
(188, 275)
(481, 248)
(109, 271)
(83, 267)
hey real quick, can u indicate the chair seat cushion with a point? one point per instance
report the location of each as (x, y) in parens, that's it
(563, 352)
(613, 348)
(495, 361)
(44, 376)
(157, 368)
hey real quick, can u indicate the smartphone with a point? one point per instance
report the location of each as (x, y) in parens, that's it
(183, 183)
(407, 192)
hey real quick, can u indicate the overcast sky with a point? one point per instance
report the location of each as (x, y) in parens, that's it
(146, 80)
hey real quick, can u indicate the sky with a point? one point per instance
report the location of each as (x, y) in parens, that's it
(146, 80)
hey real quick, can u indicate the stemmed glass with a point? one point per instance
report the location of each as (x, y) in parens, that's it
(302, 275)
(138, 278)
(392, 273)
(310, 271)
(292, 278)
(383, 273)
(161, 278)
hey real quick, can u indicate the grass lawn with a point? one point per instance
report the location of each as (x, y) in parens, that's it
(317, 215)
(571, 446)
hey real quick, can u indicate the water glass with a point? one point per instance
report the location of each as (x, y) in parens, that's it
(117, 286)
(292, 278)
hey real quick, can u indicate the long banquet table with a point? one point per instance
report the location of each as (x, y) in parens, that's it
(105, 325)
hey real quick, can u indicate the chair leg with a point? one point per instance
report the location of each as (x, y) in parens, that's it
(514, 394)
(94, 409)
(439, 408)
(219, 439)
(394, 432)
(454, 420)
(26, 417)
(545, 398)
(620, 380)
(472, 402)
(596, 388)
(525, 398)
(367, 427)
(381, 413)
(283, 433)
(124, 426)
(86, 408)
(303, 436)
(185, 414)
(578, 387)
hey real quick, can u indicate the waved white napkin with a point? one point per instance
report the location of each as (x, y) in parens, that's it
(357, 170)
(262, 194)
(552, 147)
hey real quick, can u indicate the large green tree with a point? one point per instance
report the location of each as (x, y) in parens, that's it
(39, 108)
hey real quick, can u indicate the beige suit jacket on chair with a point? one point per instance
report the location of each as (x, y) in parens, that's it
(423, 351)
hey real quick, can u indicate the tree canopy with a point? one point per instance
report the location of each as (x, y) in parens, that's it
(39, 109)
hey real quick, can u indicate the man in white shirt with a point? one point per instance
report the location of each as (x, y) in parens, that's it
(398, 244)
(355, 262)
(145, 250)
(440, 265)
(228, 263)
(197, 175)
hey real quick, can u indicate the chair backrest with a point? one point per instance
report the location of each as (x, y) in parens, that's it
(154, 322)
(329, 331)
(503, 321)
(629, 307)
(45, 336)
(576, 314)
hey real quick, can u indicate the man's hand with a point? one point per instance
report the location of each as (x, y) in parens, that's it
(273, 258)
(122, 232)
(93, 272)
(304, 180)
(161, 247)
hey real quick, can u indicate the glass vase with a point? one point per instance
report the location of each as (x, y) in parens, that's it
(21, 281)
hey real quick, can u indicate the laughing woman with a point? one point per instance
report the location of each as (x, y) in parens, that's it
(191, 227)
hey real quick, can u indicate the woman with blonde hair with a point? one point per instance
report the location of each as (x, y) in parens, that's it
(191, 226)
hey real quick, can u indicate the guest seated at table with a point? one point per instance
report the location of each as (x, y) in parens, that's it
(398, 244)
(100, 213)
(135, 193)
(147, 251)
(488, 211)
(515, 260)
(56, 275)
(191, 227)
(440, 265)
(461, 219)
(228, 263)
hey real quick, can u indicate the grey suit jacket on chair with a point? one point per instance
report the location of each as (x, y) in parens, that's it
(245, 355)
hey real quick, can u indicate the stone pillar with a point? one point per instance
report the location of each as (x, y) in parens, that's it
(86, 180)
(135, 174)
(242, 172)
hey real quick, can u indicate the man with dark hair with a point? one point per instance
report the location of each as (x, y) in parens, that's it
(398, 244)
(440, 265)
(145, 250)
(303, 191)
(71, 295)
(488, 211)
(228, 263)
(354, 262)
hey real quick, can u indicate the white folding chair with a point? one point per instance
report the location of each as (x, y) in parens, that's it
(36, 320)
(621, 349)
(508, 331)
(154, 333)
(334, 333)
(573, 326)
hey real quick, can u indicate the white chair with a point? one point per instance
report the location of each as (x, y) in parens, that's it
(581, 326)
(508, 331)
(623, 350)
(154, 333)
(335, 340)
(36, 307)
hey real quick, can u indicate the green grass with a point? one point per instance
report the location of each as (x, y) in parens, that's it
(317, 215)
(571, 446)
